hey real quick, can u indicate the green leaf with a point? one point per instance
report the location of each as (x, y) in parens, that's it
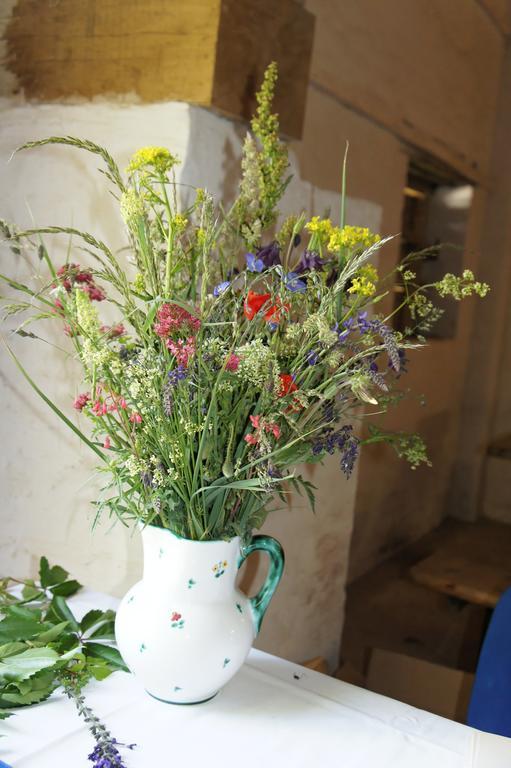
(57, 575)
(24, 665)
(67, 588)
(17, 625)
(44, 570)
(105, 632)
(10, 648)
(30, 591)
(91, 618)
(13, 699)
(4, 714)
(51, 634)
(107, 653)
(99, 669)
(60, 611)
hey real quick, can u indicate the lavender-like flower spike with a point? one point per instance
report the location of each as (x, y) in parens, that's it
(105, 753)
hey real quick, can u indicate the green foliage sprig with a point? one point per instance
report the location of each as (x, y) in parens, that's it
(42, 644)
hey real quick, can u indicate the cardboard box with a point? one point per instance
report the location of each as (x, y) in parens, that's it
(422, 684)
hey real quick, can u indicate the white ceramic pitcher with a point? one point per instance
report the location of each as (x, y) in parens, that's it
(185, 629)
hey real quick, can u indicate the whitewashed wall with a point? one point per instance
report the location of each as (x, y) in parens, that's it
(46, 476)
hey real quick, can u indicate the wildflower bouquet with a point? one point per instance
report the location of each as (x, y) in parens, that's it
(241, 349)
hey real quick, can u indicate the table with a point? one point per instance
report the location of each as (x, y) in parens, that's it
(273, 713)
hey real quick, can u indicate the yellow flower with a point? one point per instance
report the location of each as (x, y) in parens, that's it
(322, 228)
(365, 281)
(350, 237)
(158, 157)
(180, 222)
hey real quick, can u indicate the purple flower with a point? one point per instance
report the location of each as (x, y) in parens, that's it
(312, 357)
(341, 440)
(253, 263)
(220, 288)
(176, 375)
(294, 284)
(147, 479)
(270, 254)
(309, 260)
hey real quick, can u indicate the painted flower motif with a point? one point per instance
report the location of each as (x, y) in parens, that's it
(219, 568)
(191, 583)
(226, 662)
(176, 620)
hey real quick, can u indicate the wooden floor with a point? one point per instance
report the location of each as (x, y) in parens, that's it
(387, 609)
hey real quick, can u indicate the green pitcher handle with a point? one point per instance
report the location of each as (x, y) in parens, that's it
(261, 601)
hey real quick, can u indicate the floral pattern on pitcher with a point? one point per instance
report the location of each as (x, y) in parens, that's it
(219, 568)
(176, 620)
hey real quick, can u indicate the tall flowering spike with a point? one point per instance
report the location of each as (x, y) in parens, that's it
(86, 315)
(168, 399)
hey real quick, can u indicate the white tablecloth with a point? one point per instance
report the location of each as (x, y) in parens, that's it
(273, 713)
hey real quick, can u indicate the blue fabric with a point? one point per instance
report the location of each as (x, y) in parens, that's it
(490, 703)
(4, 765)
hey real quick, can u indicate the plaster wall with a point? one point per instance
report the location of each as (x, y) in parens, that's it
(399, 80)
(47, 479)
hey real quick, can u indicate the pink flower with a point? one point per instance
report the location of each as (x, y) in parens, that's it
(95, 293)
(84, 277)
(59, 307)
(122, 403)
(232, 363)
(255, 421)
(107, 442)
(182, 350)
(171, 318)
(275, 429)
(251, 439)
(112, 331)
(175, 616)
(81, 401)
(136, 418)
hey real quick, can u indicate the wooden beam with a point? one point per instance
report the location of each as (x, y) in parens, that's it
(207, 52)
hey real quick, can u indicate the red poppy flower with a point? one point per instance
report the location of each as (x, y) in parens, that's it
(287, 384)
(273, 314)
(254, 302)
